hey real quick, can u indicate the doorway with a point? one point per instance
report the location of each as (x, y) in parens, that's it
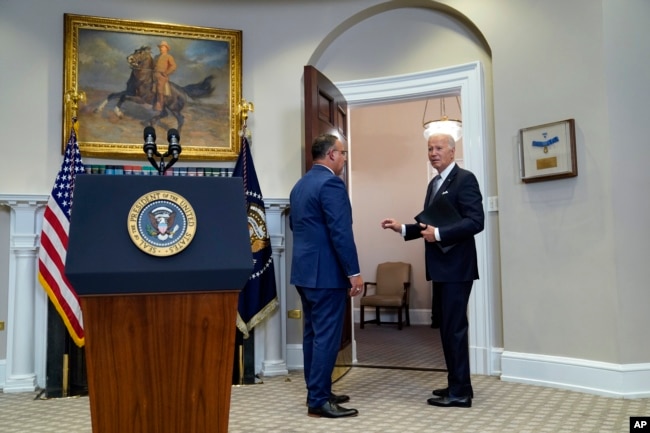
(391, 174)
(466, 81)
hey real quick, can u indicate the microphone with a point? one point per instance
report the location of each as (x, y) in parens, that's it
(173, 137)
(149, 146)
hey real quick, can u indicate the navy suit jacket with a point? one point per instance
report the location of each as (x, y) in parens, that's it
(324, 252)
(459, 263)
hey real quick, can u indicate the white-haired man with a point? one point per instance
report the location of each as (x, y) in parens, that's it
(451, 263)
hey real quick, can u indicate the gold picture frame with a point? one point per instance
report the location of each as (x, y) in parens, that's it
(104, 69)
(548, 151)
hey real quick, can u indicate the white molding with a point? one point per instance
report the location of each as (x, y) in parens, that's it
(271, 335)
(467, 81)
(3, 372)
(24, 368)
(592, 377)
(295, 360)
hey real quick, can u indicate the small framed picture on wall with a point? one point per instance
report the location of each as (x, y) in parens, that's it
(548, 151)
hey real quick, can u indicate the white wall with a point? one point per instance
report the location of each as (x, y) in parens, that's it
(559, 254)
(556, 249)
(627, 71)
(573, 251)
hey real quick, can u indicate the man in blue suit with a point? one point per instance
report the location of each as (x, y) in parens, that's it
(451, 264)
(324, 269)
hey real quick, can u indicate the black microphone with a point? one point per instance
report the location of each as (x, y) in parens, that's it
(150, 142)
(173, 137)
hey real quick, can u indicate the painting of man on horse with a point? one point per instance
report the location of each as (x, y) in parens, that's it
(142, 87)
(126, 90)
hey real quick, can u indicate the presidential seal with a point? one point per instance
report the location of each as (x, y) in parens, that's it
(257, 232)
(161, 223)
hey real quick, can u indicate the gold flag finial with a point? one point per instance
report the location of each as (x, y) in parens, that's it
(244, 107)
(73, 98)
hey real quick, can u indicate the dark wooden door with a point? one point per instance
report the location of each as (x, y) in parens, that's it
(326, 112)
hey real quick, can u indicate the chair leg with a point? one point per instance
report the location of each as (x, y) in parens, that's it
(399, 318)
(408, 318)
(361, 316)
(377, 316)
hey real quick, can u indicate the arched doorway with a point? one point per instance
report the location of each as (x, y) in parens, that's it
(392, 84)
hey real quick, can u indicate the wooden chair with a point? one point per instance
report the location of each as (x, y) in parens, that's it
(391, 291)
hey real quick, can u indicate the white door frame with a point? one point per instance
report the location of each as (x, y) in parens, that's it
(466, 80)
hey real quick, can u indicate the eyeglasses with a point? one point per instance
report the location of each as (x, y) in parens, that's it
(342, 152)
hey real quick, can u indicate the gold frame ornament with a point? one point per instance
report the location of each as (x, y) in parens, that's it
(161, 223)
(548, 151)
(104, 59)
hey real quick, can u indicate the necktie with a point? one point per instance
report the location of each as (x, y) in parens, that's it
(436, 183)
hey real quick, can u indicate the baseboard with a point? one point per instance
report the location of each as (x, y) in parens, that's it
(3, 373)
(294, 357)
(274, 368)
(417, 317)
(592, 377)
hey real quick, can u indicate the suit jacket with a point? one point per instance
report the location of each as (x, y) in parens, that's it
(459, 263)
(324, 252)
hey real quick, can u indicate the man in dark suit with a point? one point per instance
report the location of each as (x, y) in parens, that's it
(324, 269)
(451, 264)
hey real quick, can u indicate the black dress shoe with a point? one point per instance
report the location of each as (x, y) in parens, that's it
(331, 410)
(337, 399)
(451, 401)
(444, 392)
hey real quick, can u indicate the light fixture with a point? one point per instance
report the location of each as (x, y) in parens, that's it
(444, 125)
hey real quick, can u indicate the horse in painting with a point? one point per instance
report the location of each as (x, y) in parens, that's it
(140, 89)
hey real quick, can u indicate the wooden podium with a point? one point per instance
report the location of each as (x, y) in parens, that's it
(159, 330)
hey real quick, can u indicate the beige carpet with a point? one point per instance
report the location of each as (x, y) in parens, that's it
(414, 347)
(388, 399)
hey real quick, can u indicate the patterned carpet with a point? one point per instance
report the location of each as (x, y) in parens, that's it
(414, 347)
(388, 399)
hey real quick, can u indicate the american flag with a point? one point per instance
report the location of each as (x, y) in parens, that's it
(54, 242)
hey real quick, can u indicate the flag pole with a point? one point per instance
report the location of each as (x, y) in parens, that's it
(258, 298)
(241, 364)
(65, 380)
(73, 98)
(245, 107)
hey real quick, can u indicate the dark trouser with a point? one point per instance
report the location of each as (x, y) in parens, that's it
(454, 327)
(436, 312)
(323, 311)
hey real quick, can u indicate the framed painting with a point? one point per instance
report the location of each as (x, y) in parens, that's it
(135, 74)
(548, 151)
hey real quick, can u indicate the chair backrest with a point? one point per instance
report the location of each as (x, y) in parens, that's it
(391, 277)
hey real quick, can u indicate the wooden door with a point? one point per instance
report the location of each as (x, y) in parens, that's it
(326, 112)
